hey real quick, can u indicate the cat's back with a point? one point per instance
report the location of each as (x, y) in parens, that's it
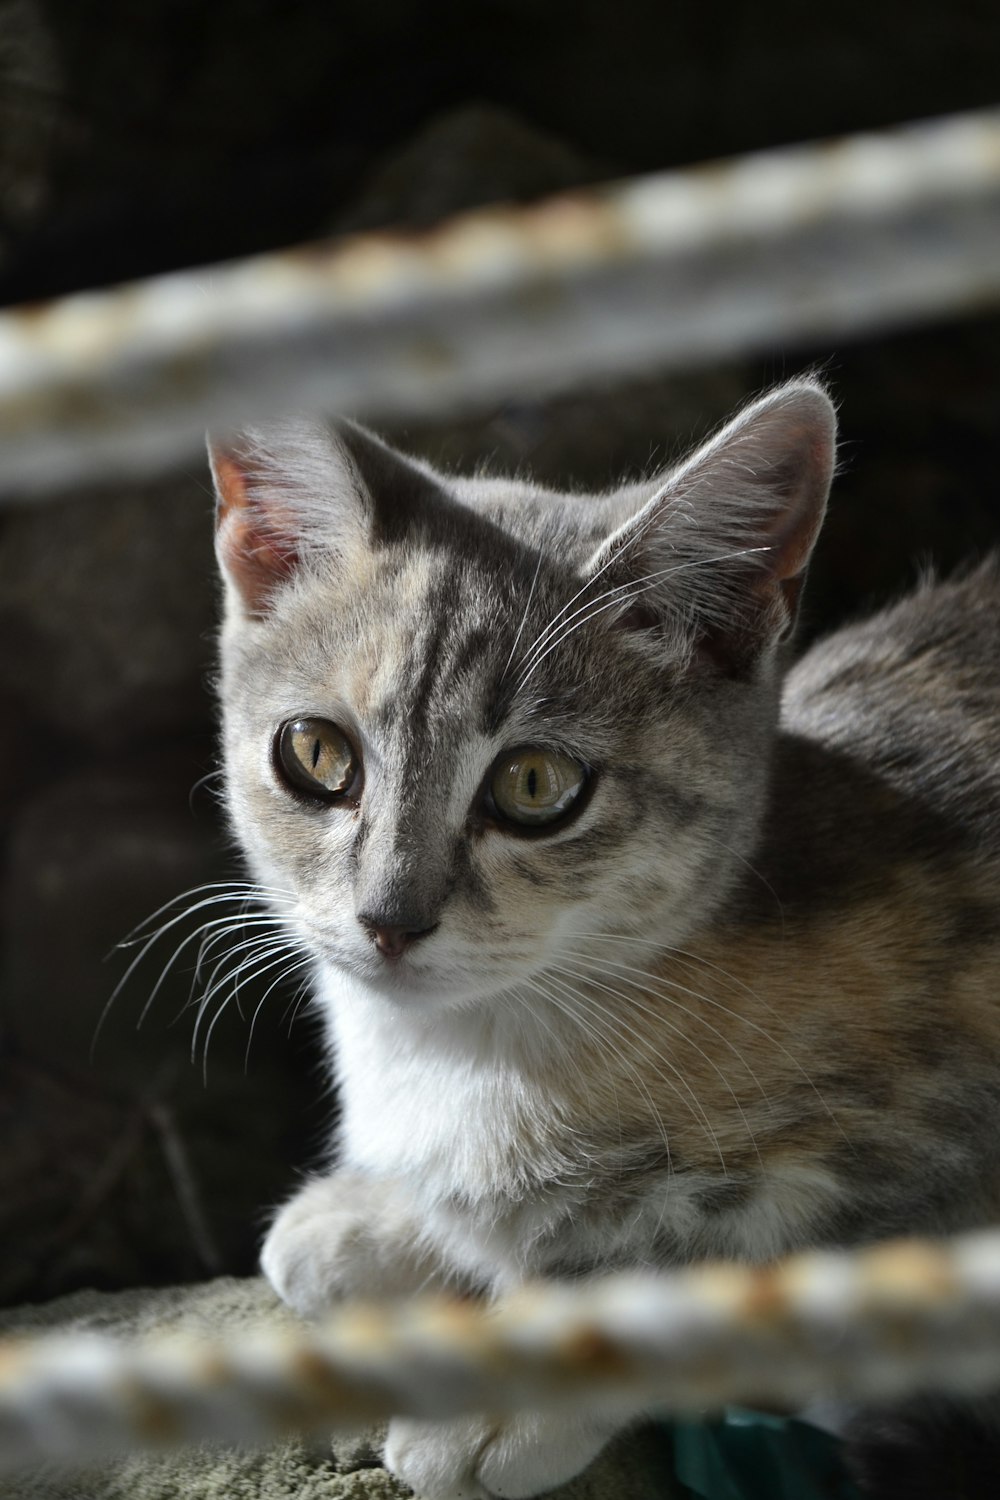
(911, 697)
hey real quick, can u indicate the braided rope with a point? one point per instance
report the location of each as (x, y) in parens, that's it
(660, 272)
(877, 1323)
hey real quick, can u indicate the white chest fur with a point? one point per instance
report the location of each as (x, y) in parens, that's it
(443, 1105)
(487, 1154)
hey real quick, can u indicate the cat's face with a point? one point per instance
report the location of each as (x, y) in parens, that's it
(468, 724)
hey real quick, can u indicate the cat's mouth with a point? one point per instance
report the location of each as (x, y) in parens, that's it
(406, 974)
(415, 978)
(431, 974)
(397, 968)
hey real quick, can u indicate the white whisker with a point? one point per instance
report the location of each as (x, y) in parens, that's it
(258, 969)
(220, 928)
(553, 624)
(248, 957)
(254, 941)
(694, 1103)
(612, 970)
(628, 591)
(282, 978)
(693, 961)
(614, 965)
(524, 617)
(591, 1025)
(753, 871)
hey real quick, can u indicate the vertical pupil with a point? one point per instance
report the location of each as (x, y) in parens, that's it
(317, 751)
(532, 782)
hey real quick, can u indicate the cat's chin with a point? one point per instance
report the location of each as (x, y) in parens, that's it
(402, 985)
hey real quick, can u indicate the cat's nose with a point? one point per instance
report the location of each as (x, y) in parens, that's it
(392, 938)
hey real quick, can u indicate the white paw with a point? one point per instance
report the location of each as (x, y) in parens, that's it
(476, 1457)
(343, 1236)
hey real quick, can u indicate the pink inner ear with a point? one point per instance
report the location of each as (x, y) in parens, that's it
(255, 540)
(797, 527)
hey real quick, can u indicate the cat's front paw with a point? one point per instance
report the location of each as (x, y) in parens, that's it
(474, 1458)
(345, 1236)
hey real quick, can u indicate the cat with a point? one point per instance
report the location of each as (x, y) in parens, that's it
(635, 943)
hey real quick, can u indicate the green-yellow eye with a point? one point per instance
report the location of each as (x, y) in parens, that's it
(316, 757)
(534, 787)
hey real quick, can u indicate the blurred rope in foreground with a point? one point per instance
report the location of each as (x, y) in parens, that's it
(806, 244)
(878, 1323)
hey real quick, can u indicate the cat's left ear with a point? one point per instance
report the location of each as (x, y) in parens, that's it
(718, 554)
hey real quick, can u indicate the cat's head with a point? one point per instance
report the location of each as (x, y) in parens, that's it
(468, 722)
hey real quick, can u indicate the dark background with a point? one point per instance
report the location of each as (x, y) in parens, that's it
(134, 139)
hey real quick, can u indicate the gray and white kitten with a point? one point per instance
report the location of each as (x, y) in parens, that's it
(633, 946)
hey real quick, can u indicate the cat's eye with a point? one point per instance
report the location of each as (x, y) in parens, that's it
(315, 757)
(536, 787)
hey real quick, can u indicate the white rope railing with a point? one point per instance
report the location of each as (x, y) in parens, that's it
(883, 1322)
(808, 243)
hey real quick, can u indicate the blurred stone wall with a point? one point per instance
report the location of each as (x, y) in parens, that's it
(138, 140)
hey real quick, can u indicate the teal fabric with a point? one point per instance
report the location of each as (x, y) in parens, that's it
(749, 1455)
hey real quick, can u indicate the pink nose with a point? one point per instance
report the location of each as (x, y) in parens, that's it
(391, 941)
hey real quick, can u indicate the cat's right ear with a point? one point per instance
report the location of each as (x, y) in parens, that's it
(307, 487)
(256, 546)
(283, 492)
